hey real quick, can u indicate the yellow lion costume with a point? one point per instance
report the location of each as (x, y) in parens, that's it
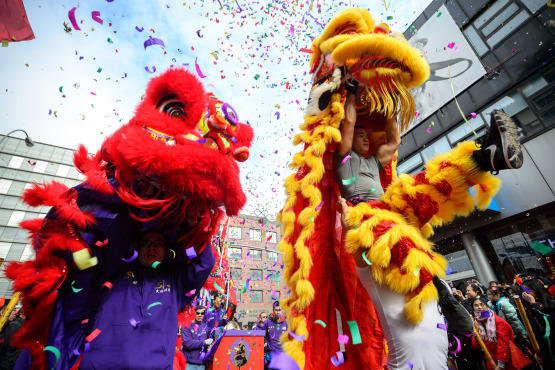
(388, 291)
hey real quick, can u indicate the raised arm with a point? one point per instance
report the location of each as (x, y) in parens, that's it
(348, 125)
(386, 151)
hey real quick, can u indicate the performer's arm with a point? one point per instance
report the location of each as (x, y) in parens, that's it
(191, 341)
(348, 125)
(193, 275)
(386, 151)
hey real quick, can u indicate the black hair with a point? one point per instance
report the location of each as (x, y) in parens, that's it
(499, 290)
(544, 297)
(199, 307)
(480, 298)
(476, 288)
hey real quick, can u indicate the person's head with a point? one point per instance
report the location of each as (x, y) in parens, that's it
(276, 308)
(479, 304)
(495, 293)
(472, 290)
(217, 301)
(263, 316)
(537, 289)
(493, 283)
(152, 248)
(199, 313)
(361, 143)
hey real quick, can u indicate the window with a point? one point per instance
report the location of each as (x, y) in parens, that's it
(255, 235)
(62, 170)
(409, 164)
(271, 275)
(4, 248)
(236, 273)
(16, 218)
(272, 237)
(256, 296)
(256, 274)
(508, 28)
(479, 46)
(533, 5)
(235, 232)
(499, 19)
(5, 186)
(28, 253)
(439, 147)
(540, 93)
(490, 12)
(274, 295)
(256, 254)
(234, 252)
(15, 162)
(15, 252)
(271, 256)
(39, 166)
(464, 129)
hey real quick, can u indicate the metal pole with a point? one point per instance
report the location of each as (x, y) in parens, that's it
(8, 310)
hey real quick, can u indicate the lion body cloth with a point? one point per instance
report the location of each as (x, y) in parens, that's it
(392, 294)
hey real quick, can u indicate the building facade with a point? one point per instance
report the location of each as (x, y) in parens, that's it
(513, 41)
(251, 245)
(20, 167)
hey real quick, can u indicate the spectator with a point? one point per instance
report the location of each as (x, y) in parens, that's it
(215, 315)
(497, 336)
(274, 327)
(493, 283)
(505, 309)
(8, 353)
(472, 291)
(260, 320)
(194, 337)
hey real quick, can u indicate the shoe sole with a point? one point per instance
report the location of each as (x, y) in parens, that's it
(510, 139)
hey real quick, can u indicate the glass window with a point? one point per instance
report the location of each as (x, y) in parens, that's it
(15, 218)
(234, 252)
(272, 236)
(479, 45)
(545, 104)
(5, 186)
(4, 248)
(256, 274)
(439, 147)
(530, 88)
(271, 256)
(15, 252)
(4, 287)
(256, 296)
(235, 232)
(458, 261)
(274, 295)
(39, 166)
(533, 5)
(408, 164)
(490, 12)
(15, 162)
(16, 188)
(271, 275)
(464, 129)
(62, 170)
(256, 254)
(236, 273)
(255, 235)
(58, 155)
(499, 19)
(28, 253)
(515, 106)
(508, 28)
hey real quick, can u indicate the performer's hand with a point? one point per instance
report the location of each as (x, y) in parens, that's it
(528, 297)
(351, 86)
(342, 205)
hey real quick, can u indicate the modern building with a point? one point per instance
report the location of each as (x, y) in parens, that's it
(252, 251)
(20, 166)
(500, 54)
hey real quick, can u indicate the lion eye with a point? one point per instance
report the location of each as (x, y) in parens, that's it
(173, 108)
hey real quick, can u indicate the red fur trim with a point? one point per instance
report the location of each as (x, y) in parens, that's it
(93, 169)
(400, 251)
(63, 199)
(33, 227)
(423, 206)
(425, 279)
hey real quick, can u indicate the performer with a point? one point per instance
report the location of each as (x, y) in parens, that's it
(215, 315)
(171, 169)
(382, 252)
(194, 337)
(274, 327)
(260, 321)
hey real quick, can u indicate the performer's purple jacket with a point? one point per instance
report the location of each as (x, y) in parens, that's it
(137, 317)
(193, 339)
(274, 328)
(213, 318)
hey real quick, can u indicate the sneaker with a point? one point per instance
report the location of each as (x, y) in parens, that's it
(501, 146)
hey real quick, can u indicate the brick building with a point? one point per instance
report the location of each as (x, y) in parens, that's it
(252, 251)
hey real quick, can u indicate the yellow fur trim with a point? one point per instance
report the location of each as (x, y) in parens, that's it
(414, 305)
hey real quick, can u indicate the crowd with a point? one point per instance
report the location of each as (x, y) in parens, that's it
(509, 324)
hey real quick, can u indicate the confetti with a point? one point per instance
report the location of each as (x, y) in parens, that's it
(355, 333)
(343, 339)
(152, 305)
(93, 335)
(366, 259)
(473, 115)
(410, 364)
(198, 34)
(339, 360)
(153, 69)
(108, 285)
(153, 41)
(109, 41)
(320, 322)
(298, 338)
(438, 15)
(349, 181)
(139, 29)
(134, 322)
(429, 130)
(133, 257)
(101, 243)
(441, 326)
(451, 45)
(191, 253)
(199, 73)
(347, 157)
(305, 50)
(190, 293)
(55, 351)
(95, 15)
(155, 264)
(71, 16)
(75, 290)
(83, 260)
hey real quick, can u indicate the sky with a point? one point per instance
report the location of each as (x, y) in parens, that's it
(70, 88)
